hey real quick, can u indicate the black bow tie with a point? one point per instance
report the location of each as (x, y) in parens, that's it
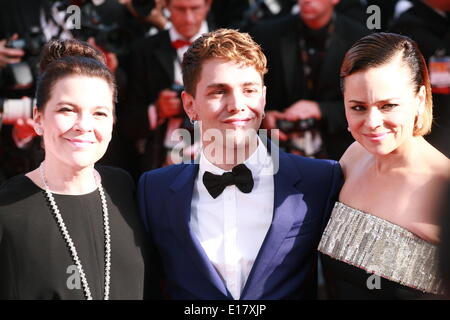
(241, 176)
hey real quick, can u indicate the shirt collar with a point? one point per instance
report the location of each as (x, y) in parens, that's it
(259, 160)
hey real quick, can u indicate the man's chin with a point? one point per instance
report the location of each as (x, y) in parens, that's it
(241, 139)
(188, 33)
(240, 134)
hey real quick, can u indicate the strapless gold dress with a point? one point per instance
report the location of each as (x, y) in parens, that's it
(381, 248)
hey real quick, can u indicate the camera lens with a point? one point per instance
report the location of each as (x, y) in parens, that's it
(306, 124)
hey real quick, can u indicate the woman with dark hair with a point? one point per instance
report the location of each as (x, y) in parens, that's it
(69, 230)
(381, 240)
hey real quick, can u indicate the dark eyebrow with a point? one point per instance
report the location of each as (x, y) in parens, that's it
(246, 84)
(76, 106)
(217, 85)
(384, 100)
(224, 85)
(67, 103)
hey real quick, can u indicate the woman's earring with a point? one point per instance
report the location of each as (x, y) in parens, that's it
(348, 129)
(419, 124)
(38, 130)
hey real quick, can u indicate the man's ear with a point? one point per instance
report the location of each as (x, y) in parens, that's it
(264, 91)
(188, 105)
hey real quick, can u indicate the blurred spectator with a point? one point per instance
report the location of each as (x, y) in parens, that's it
(400, 7)
(428, 23)
(148, 12)
(121, 26)
(357, 10)
(261, 10)
(354, 9)
(304, 54)
(30, 23)
(228, 13)
(106, 24)
(387, 11)
(155, 83)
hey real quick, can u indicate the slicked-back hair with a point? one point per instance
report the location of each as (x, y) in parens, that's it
(378, 49)
(62, 58)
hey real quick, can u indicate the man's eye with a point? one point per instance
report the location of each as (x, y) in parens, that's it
(250, 91)
(66, 109)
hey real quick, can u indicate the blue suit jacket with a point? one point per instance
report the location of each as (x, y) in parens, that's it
(285, 267)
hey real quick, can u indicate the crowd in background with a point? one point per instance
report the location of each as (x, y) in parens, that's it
(304, 50)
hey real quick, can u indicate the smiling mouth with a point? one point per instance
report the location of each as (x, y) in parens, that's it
(376, 136)
(80, 143)
(237, 122)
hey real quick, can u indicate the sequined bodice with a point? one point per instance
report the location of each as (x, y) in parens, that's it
(382, 248)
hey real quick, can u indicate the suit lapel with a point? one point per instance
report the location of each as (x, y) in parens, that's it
(166, 55)
(180, 213)
(332, 59)
(290, 61)
(287, 204)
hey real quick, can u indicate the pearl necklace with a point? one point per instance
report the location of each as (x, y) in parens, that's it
(68, 239)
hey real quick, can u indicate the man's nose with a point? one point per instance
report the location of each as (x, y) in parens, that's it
(235, 102)
(189, 16)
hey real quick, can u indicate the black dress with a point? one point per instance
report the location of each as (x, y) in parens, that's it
(366, 257)
(35, 262)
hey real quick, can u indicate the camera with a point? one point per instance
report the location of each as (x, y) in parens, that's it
(143, 7)
(110, 37)
(22, 74)
(296, 126)
(14, 109)
(31, 45)
(178, 88)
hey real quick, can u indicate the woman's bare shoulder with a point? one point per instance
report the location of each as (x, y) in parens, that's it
(436, 160)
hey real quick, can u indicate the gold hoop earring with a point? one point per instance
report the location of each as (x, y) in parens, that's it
(419, 123)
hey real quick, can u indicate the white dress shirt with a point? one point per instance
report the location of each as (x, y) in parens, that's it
(174, 35)
(232, 227)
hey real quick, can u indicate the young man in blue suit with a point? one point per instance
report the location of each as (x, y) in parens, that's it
(244, 221)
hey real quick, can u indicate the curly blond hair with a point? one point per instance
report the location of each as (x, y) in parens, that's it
(226, 44)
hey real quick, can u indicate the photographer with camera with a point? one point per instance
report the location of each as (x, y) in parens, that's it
(104, 24)
(304, 52)
(15, 113)
(147, 12)
(155, 83)
(9, 55)
(25, 26)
